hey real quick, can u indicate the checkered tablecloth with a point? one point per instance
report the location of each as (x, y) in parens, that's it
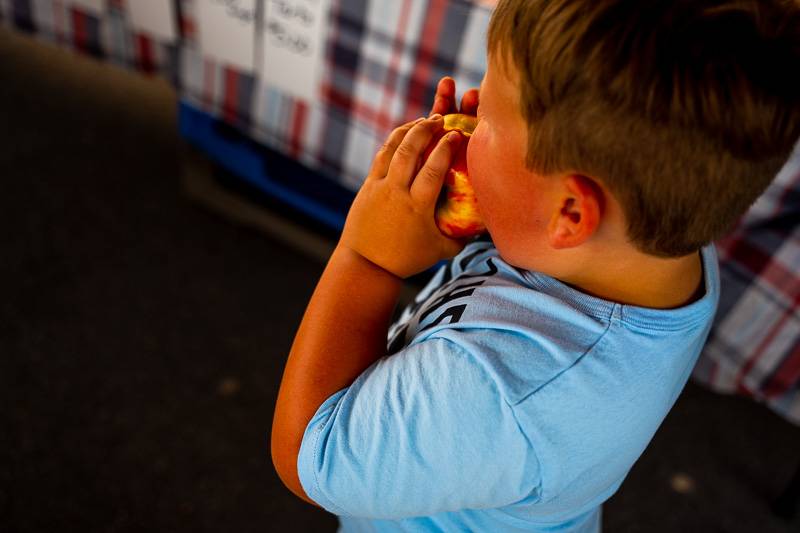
(107, 35)
(383, 60)
(754, 348)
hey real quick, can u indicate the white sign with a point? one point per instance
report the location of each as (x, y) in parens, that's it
(156, 17)
(294, 45)
(226, 30)
(94, 6)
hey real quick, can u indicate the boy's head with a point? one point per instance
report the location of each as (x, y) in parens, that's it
(683, 109)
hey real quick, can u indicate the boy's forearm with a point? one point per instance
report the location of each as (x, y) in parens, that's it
(342, 333)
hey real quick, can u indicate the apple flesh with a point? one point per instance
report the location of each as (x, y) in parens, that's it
(457, 208)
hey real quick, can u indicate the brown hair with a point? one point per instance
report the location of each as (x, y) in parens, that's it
(684, 109)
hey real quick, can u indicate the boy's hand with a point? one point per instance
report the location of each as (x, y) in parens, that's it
(445, 100)
(391, 222)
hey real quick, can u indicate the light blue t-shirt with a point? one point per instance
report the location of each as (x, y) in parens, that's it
(511, 402)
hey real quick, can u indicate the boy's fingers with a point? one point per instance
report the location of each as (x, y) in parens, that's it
(469, 102)
(445, 100)
(428, 182)
(441, 106)
(380, 165)
(407, 155)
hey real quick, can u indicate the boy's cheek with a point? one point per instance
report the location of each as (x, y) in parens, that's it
(473, 148)
(485, 171)
(476, 159)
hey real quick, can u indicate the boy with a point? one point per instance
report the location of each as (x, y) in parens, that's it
(616, 139)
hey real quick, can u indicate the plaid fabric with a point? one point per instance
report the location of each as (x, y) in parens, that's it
(382, 63)
(754, 348)
(108, 36)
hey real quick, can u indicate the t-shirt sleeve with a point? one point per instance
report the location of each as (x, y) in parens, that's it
(420, 432)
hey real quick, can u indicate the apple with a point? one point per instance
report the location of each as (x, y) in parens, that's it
(457, 208)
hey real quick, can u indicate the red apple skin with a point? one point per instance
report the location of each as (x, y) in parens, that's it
(457, 208)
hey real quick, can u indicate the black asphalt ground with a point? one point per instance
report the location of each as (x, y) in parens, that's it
(142, 340)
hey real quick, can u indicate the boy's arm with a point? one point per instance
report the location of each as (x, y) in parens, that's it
(342, 333)
(389, 234)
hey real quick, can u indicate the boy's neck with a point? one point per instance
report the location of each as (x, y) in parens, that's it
(643, 280)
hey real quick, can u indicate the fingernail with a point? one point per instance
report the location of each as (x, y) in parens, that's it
(436, 116)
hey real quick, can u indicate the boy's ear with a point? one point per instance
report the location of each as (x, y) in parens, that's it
(578, 212)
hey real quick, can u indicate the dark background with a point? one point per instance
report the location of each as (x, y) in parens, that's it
(143, 336)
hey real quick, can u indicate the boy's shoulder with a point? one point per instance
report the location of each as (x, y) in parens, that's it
(526, 328)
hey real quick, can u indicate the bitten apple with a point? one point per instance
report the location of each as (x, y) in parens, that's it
(457, 208)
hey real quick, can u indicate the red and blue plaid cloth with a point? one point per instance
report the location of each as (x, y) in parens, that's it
(107, 35)
(382, 63)
(383, 60)
(754, 348)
